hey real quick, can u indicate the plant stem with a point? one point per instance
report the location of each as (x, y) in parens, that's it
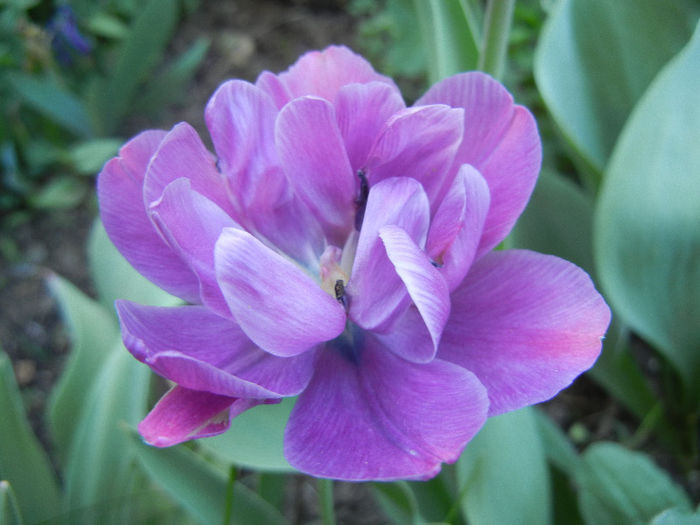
(494, 46)
(325, 492)
(228, 509)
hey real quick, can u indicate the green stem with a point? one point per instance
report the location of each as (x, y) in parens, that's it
(492, 56)
(325, 492)
(228, 509)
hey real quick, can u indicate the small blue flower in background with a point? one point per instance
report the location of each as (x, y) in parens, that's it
(66, 39)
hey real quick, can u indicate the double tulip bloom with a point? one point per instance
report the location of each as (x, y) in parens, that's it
(338, 247)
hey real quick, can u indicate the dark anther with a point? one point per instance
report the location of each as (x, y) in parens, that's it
(361, 201)
(340, 292)
(436, 264)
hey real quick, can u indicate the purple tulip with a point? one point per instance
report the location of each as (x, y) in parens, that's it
(339, 248)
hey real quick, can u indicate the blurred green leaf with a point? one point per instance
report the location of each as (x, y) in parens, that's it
(503, 472)
(241, 444)
(88, 157)
(107, 26)
(558, 449)
(23, 461)
(596, 58)
(647, 238)
(52, 101)
(60, 193)
(93, 332)
(201, 488)
(677, 517)
(621, 486)
(398, 502)
(9, 508)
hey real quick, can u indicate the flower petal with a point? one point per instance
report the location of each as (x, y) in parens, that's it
(455, 231)
(120, 193)
(203, 351)
(377, 294)
(419, 143)
(426, 287)
(526, 324)
(410, 338)
(277, 305)
(382, 418)
(183, 414)
(191, 224)
(362, 111)
(500, 140)
(312, 152)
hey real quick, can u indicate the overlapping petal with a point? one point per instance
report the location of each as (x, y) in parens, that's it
(526, 324)
(380, 417)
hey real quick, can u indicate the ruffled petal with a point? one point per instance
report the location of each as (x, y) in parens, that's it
(378, 297)
(191, 224)
(313, 154)
(203, 351)
(410, 338)
(120, 193)
(281, 308)
(455, 231)
(426, 287)
(526, 324)
(419, 143)
(362, 111)
(500, 140)
(380, 417)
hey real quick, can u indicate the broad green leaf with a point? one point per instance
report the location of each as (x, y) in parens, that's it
(93, 331)
(107, 26)
(116, 279)
(52, 101)
(647, 234)
(23, 462)
(200, 487)
(558, 449)
(621, 486)
(61, 193)
(88, 157)
(503, 472)
(677, 517)
(398, 502)
(596, 58)
(9, 508)
(241, 444)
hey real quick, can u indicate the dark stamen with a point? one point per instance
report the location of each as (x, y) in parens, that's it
(361, 201)
(340, 292)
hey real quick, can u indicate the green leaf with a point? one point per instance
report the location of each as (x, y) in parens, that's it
(596, 58)
(452, 45)
(9, 508)
(107, 26)
(558, 449)
(647, 238)
(241, 444)
(621, 486)
(52, 101)
(61, 193)
(200, 487)
(677, 517)
(93, 331)
(88, 157)
(22, 460)
(398, 502)
(503, 472)
(116, 279)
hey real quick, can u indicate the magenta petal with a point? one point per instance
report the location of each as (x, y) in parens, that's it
(191, 224)
(120, 190)
(419, 143)
(281, 308)
(182, 154)
(274, 87)
(500, 140)
(377, 294)
(183, 414)
(426, 287)
(313, 154)
(526, 324)
(381, 417)
(177, 343)
(455, 231)
(362, 111)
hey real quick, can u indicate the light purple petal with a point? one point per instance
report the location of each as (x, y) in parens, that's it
(313, 154)
(426, 287)
(380, 417)
(500, 140)
(120, 193)
(419, 143)
(409, 338)
(362, 111)
(203, 351)
(274, 87)
(322, 74)
(378, 297)
(281, 308)
(183, 414)
(526, 324)
(191, 224)
(456, 228)
(182, 154)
